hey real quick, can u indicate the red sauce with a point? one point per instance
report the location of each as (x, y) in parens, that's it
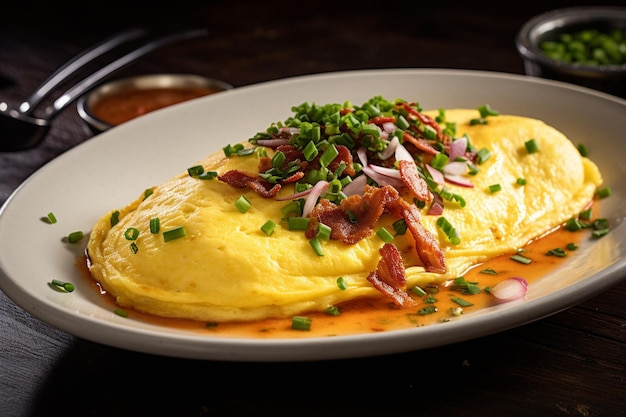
(126, 105)
(367, 316)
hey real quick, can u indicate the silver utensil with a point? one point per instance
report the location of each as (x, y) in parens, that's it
(20, 129)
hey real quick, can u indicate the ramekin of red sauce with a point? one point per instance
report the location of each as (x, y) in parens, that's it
(116, 102)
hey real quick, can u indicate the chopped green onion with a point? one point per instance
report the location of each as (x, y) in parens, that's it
(447, 228)
(521, 181)
(571, 246)
(317, 246)
(488, 271)
(531, 146)
(115, 218)
(208, 175)
(485, 111)
(323, 232)
(341, 283)
(268, 227)
(603, 192)
(155, 225)
(558, 252)
(147, 193)
(132, 233)
(51, 218)
(75, 237)
(175, 233)
(384, 235)
(133, 247)
(332, 311)
(196, 170)
(120, 312)
(599, 232)
(521, 259)
(586, 214)
(427, 310)
(418, 291)
(62, 285)
(494, 188)
(297, 223)
(328, 156)
(301, 323)
(465, 287)
(352, 218)
(310, 151)
(400, 227)
(243, 204)
(582, 149)
(461, 302)
(483, 155)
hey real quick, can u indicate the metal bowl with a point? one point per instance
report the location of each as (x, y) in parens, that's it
(548, 26)
(161, 87)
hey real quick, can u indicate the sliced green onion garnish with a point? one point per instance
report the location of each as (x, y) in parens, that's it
(75, 237)
(297, 223)
(521, 259)
(328, 156)
(115, 218)
(147, 193)
(488, 271)
(427, 310)
(243, 204)
(603, 192)
(268, 227)
(301, 323)
(447, 228)
(310, 151)
(341, 283)
(332, 311)
(51, 218)
(62, 285)
(558, 252)
(133, 247)
(582, 149)
(120, 312)
(175, 233)
(485, 111)
(196, 170)
(483, 155)
(384, 235)
(521, 181)
(132, 233)
(155, 225)
(572, 246)
(461, 302)
(418, 291)
(586, 214)
(531, 146)
(399, 226)
(494, 188)
(323, 232)
(317, 246)
(208, 175)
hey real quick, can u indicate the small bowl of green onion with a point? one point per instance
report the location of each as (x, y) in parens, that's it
(579, 45)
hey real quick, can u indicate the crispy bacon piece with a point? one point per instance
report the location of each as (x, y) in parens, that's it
(426, 244)
(379, 120)
(389, 277)
(420, 143)
(411, 178)
(240, 179)
(366, 209)
(424, 118)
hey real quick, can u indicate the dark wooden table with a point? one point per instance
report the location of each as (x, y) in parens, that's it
(570, 364)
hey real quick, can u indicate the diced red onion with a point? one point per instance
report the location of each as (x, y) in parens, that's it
(389, 127)
(357, 186)
(389, 172)
(294, 196)
(455, 168)
(436, 208)
(272, 143)
(436, 174)
(458, 148)
(314, 193)
(381, 179)
(459, 180)
(402, 154)
(510, 289)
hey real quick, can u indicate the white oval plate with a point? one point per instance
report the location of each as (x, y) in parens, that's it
(109, 170)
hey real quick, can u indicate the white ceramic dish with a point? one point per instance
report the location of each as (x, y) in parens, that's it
(109, 170)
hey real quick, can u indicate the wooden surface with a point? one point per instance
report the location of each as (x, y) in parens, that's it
(570, 364)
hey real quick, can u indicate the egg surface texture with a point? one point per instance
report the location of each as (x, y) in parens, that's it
(225, 268)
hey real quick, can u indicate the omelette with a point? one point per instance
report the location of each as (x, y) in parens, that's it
(337, 203)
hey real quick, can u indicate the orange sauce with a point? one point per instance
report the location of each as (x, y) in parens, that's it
(378, 315)
(126, 105)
